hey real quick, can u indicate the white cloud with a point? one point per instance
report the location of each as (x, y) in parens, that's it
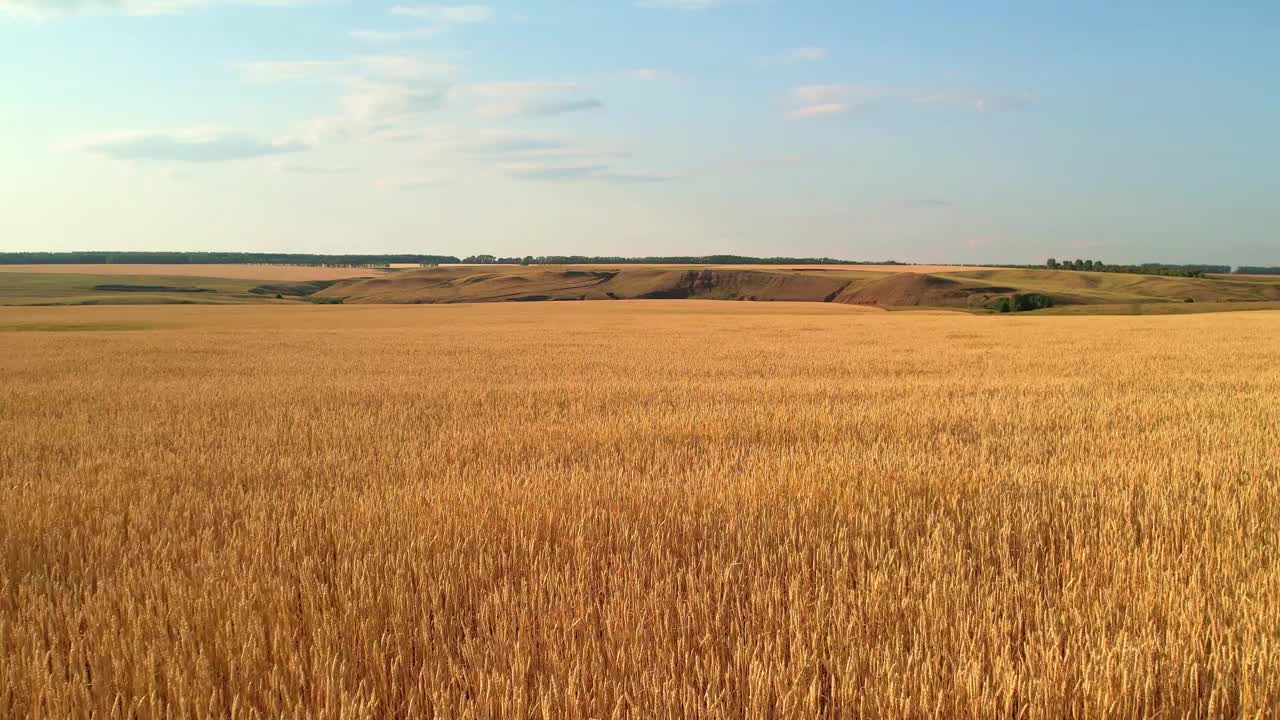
(982, 103)
(194, 145)
(805, 54)
(686, 5)
(578, 171)
(376, 90)
(52, 8)
(448, 14)
(498, 144)
(440, 17)
(406, 183)
(811, 101)
(557, 171)
(629, 178)
(323, 170)
(810, 111)
(489, 142)
(395, 67)
(49, 8)
(522, 155)
(528, 99)
(394, 36)
(653, 75)
(370, 102)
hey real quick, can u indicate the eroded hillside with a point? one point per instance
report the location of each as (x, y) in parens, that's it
(471, 284)
(975, 290)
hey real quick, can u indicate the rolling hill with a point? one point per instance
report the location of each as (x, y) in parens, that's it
(966, 289)
(887, 287)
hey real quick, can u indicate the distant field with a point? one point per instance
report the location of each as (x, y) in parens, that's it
(658, 509)
(1272, 279)
(27, 288)
(242, 272)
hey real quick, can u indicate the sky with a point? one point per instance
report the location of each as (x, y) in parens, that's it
(944, 131)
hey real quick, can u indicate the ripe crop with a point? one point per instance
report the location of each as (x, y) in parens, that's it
(637, 510)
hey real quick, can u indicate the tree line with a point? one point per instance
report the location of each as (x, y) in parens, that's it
(662, 260)
(97, 257)
(1192, 271)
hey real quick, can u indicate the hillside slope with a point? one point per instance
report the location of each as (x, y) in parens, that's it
(976, 289)
(1087, 288)
(969, 289)
(472, 284)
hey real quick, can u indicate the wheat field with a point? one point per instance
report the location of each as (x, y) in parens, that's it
(637, 510)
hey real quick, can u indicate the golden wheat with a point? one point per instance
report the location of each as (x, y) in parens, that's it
(637, 510)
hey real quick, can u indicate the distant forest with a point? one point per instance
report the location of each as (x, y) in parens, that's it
(97, 257)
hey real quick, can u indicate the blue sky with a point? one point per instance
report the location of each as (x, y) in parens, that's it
(928, 131)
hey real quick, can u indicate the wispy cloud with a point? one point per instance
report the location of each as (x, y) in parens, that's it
(53, 8)
(395, 36)
(441, 18)
(195, 145)
(927, 203)
(501, 145)
(401, 67)
(579, 171)
(686, 5)
(805, 54)
(524, 155)
(528, 99)
(982, 103)
(812, 101)
(376, 90)
(406, 183)
(653, 75)
(812, 111)
(509, 142)
(374, 101)
(561, 171)
(809, 101)
(300, 169)
(447, 14)
(627, 178)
